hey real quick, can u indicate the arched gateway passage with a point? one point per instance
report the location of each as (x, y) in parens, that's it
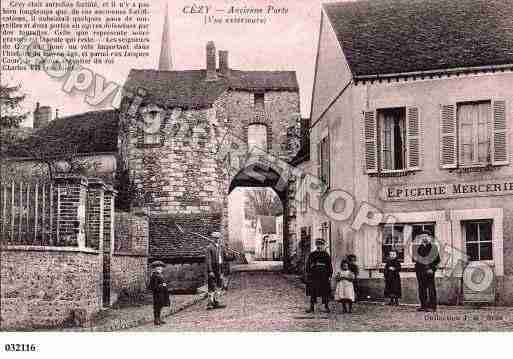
(258, 175)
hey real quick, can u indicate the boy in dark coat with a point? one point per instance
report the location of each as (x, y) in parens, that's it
(393, 278)
(160, 293)
(318, 270)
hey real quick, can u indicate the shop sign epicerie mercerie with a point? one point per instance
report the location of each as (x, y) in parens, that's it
(416, 192)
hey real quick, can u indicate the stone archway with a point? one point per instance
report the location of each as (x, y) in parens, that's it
(256, 175)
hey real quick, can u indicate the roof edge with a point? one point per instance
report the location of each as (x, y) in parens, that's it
(455, 70)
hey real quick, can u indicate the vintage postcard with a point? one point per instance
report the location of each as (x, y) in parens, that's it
(257, 166)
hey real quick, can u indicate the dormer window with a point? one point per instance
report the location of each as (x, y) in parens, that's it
(151, 127)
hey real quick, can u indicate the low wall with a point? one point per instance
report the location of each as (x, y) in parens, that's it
(185, 277)
(129, 277)
(44, 287)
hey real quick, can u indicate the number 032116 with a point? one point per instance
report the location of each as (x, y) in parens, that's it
(20, 347)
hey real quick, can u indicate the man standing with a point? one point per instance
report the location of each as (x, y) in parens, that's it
(213, 259)
(318, 273)
(160, 293)
(426, 260)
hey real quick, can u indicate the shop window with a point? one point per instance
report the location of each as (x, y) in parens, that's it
(399, 237)
(478, 240)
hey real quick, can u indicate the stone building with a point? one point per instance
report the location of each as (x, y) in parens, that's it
(412, 117)
(174, 125)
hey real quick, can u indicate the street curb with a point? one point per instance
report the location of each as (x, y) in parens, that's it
(125, 324)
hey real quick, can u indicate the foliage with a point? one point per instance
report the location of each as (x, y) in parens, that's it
(262, 202)
(11, 114)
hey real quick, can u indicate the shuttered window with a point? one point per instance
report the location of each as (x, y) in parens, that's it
(499, 133)
(473, 134)
(370, 141)
(392, 140)
(474, 126)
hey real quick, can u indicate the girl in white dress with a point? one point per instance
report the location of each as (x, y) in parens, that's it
(345, 289)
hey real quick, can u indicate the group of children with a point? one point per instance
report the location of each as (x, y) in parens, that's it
(347, 276)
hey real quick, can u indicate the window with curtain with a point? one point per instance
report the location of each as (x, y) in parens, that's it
(393, 138)
(257, 136)
(474, 130)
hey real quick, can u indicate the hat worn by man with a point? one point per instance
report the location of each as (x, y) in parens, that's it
(156, 264)
(319, 241)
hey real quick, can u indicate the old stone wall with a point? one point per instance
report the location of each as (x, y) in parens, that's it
(129, 259)
(47, 286)
(185, 277)
(129, 276)
(131, 233)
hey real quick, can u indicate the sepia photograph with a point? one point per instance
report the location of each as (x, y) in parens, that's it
(287, 166)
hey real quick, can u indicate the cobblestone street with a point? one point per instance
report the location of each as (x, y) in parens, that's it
(267, 301)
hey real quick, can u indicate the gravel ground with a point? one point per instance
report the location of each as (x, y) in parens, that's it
(267, 301)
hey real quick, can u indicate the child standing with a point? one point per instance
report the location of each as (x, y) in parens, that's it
(392, 278)
(345, 289)
(160, 293)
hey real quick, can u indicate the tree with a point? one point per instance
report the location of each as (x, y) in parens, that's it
(11, 113)
(262, 202)
(56, 155)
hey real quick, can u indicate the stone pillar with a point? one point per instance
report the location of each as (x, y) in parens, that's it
(71, 193)
(108, 219)
(95, 213)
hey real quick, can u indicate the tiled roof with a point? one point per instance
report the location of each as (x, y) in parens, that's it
(180, 236)
(267, 224)
(189, 89)
(398, 36)
(89, 132)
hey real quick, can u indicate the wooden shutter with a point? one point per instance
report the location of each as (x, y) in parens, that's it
(370, 141)
(499, 134)
(413, 138)
(448, 140)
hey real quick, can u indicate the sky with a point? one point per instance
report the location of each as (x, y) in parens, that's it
(285, 42)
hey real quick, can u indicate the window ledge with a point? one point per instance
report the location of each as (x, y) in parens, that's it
(397, 173)
(474, 169)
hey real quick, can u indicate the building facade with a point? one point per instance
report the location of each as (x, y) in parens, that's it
(411, 119)
(183, 120)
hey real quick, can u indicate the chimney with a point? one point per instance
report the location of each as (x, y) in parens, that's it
(42, 116)
(223, 62)
(211, 61)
